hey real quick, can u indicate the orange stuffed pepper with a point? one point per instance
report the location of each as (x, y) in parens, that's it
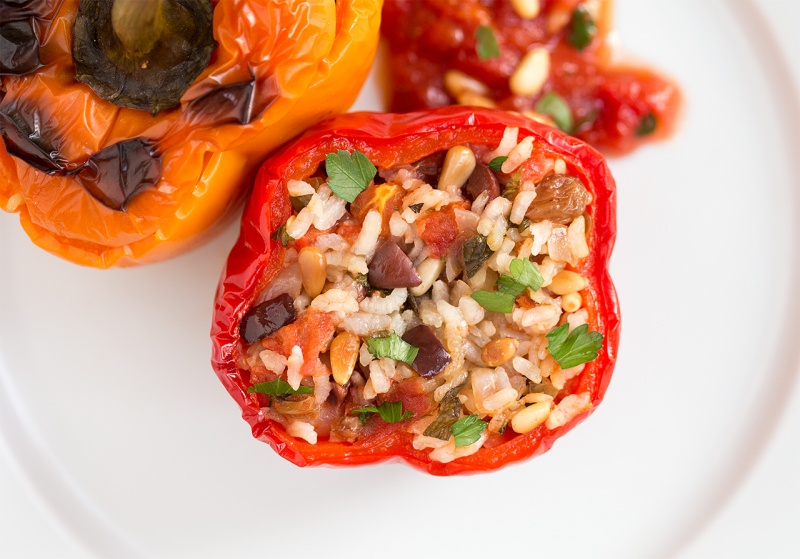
(131, 127)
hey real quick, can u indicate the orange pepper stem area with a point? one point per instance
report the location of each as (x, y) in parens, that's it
(109, 176)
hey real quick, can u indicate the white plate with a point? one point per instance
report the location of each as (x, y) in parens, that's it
(116, 428)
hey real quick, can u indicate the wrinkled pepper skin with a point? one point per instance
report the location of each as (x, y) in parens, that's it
(389, 140)
(306, 61)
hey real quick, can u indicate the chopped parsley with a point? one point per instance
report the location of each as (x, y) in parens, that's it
(390, 412)
(554, 106)
(348, 175)
(392, 346)
(281, 235)
(647, 125)
(496, 164)
(524, 274)
(467, 430)
(571, 349)
(582, 28)
(416, 208)
(486, 43)
(475, 253)
(300, 202)
(278, 388)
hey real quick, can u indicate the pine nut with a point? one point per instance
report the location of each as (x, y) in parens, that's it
(313, 268)
(571, 302)
(457, 82)
(457, 167)
(526, 9)
(528, 419)
(428, 272)
(531, 73)
(497, 352)
(472, 99)
(344, 353)
(566, 281)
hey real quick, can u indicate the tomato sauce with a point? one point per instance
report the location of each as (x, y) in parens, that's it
(615, 108)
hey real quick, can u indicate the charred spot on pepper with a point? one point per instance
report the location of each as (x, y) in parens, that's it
(23, 133)
(19, 48)
(239, 103)
(142, 54)
(267, 318)
(115, 174)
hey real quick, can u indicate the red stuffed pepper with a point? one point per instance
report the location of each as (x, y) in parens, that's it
(429, 287)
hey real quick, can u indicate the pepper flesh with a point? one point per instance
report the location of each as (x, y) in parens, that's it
(294, 63)
(389, 140)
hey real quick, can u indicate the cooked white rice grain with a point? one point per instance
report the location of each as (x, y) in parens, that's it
(576, 234)
(517, 156)
(302, 430)
(368, 236)
(273, 361)
(568, 408)
(364, 324)
(471, 310)
(293, 365)
(509, 141)
(522, 202)
(378, 304)
(299, 188)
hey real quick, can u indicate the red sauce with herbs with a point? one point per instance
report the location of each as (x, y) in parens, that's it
(615, 108)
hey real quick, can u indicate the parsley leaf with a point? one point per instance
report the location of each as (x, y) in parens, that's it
(523, 271)
(647, 125)
(495, 301)
(496, 164)
(281, 235)
(392, 346)
(554, 106)
(582, 28)
(475, 253)
(348, 175)
(523, 275)
(467, 430)
(486, 43)
(278, 388)
(390, 412)
(300, 202)
(571, 349)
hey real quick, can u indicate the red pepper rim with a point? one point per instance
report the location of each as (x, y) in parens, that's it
(390, 140)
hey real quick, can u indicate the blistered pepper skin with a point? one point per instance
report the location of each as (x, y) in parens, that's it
(302, 62)
(389, 140)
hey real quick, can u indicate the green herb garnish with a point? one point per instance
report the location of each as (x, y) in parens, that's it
(524, 274)
(300, 202)
(524, 224)
(392, 346)
(571, 349)
(475, 252)
(281, 235)
(496, 164)
(278, 388)
(467, 430)
(647, 125)
(554, 106)
(348, 175)
(449, 410)
(416, 208)
(390, 412)
(486, 43)
(582, 28)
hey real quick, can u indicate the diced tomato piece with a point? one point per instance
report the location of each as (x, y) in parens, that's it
(386, 198)
(439, 230)
(312, 332)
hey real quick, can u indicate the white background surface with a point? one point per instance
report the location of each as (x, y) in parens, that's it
(161, 464)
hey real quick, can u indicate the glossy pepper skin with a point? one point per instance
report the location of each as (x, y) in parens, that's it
(305, 61)
(389, 140)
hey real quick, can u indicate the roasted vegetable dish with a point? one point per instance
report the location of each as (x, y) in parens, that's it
(429, 287)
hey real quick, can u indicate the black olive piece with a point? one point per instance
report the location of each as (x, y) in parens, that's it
(115, 174)
(432, 357)
(391, 268)
(15, 10)
(430, 166)
(19, 48)
(267, 317)
(449, 412)
(142, 54)
(239, 103)
(482, 179)
(23, 135)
